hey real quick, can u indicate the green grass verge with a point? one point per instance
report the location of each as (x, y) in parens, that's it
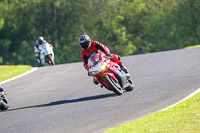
(195, 46)
(181, 118)
(7, 72)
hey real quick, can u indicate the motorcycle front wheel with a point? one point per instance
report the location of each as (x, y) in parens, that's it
(4, 104)
(115, 87)
(49, 60)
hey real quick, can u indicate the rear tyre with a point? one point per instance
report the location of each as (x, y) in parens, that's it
(4, 104)
(129, 88)
(115, 87)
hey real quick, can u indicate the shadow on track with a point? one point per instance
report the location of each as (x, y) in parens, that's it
(67, 101)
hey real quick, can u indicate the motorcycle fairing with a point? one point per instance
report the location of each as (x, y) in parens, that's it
(94, 70)
(113, 66)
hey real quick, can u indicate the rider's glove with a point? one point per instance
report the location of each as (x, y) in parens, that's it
(109, 56)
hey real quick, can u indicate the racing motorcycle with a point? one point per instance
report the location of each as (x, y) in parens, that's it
(3, 101)
(46, 55)
(109, 74)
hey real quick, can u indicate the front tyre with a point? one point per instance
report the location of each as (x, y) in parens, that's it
(115, 87)
(4, 104)
(50, 61)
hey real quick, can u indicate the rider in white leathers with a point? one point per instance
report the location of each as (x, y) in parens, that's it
(39, 44)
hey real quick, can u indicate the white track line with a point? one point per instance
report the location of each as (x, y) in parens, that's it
(192, 94)
(26, 73)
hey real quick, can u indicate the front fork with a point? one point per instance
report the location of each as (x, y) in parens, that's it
(122, 78)
(100, 78)
(113, 71)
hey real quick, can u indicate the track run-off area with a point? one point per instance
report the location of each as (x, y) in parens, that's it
(63, 99)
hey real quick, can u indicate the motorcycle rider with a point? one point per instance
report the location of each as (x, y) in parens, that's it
(39, 42)
(89, 47)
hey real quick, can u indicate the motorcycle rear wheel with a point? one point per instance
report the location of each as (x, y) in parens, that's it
(130, 87)
(4, 104)
(115, 87)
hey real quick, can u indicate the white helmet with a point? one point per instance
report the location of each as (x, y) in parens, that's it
(40, 40)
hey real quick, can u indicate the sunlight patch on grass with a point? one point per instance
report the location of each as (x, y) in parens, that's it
(7, 72)
(195, 46)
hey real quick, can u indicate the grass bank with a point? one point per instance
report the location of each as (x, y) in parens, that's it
(182, 118)
(195, 46)
(7, 72)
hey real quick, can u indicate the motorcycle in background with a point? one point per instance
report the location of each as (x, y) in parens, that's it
(46, 55)
(3, 100)
(109, 74)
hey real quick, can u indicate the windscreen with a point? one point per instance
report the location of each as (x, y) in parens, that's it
(94, 59)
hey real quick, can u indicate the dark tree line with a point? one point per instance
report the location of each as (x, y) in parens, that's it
(127, 27)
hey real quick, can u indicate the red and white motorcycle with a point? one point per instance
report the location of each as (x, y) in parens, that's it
(109, 74)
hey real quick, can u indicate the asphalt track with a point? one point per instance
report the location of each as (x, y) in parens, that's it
(63, 99)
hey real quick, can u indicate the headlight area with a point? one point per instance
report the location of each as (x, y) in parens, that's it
(103, 66)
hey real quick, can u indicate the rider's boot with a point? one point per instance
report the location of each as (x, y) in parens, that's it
(126, 71)
(124, 68)
(95, 81)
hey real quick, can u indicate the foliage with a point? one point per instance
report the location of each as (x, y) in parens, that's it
(126, 26)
